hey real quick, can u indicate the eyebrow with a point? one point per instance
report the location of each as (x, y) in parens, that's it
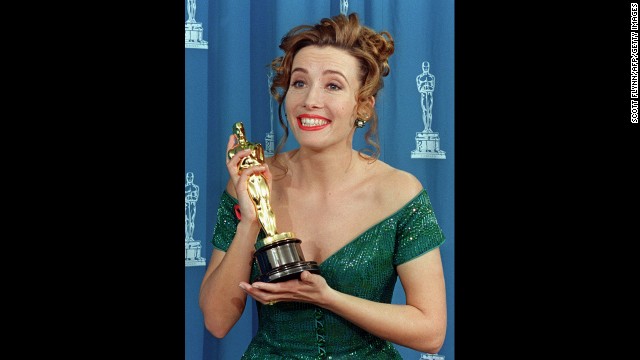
(328, 71)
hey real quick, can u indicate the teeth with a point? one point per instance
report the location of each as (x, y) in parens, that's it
(312, 122)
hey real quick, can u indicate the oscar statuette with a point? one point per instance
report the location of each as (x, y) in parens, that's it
(278, 255)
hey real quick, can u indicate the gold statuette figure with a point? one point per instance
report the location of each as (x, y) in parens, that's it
(257, 184)
(278, 255)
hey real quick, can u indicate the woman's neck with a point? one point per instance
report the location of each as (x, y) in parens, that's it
(322, 170)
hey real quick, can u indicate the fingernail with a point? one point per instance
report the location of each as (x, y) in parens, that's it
(242, 287)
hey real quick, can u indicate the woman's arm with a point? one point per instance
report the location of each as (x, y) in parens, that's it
(221, 300)
(420, 324)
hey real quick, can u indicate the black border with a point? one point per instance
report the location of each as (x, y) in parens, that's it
(544, 152)
(136, 280)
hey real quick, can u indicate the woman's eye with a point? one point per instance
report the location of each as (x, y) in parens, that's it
(334, 87)
(297, 84)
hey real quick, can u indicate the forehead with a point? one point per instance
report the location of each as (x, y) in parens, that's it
(316, 58)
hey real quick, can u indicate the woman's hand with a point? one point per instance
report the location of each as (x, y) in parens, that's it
(310, 288)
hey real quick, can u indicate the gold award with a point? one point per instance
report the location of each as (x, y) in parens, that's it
(278, 255)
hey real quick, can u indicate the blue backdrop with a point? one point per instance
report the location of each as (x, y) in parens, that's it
(227, 79)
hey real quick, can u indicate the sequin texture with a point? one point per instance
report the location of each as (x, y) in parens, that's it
(364, 267)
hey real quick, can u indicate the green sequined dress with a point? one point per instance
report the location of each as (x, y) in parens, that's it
(365, 267)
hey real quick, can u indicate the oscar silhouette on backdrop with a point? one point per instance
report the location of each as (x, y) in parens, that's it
(192, 247)
(427, 140)
(191, 9)
(193, 30)
(191, 194)
(426, 84)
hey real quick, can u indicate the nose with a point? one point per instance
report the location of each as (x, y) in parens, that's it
(314, 98)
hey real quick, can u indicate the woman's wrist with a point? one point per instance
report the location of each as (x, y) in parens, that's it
(248, 228)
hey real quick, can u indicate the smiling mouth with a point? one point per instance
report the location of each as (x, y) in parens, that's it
(311, 124)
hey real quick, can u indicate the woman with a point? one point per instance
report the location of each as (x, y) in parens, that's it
(364, 222)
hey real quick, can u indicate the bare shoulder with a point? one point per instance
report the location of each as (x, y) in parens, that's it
(395, 187)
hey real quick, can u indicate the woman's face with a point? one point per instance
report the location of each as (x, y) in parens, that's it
(321, 100)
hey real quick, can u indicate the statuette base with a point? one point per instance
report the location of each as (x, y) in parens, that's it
(282, 260)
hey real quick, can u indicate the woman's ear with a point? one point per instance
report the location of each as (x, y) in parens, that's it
(365, 108)
(372, 102)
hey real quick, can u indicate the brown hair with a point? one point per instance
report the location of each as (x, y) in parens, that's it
(372, 50)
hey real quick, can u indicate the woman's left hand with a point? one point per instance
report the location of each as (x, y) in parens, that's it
(310, 288)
